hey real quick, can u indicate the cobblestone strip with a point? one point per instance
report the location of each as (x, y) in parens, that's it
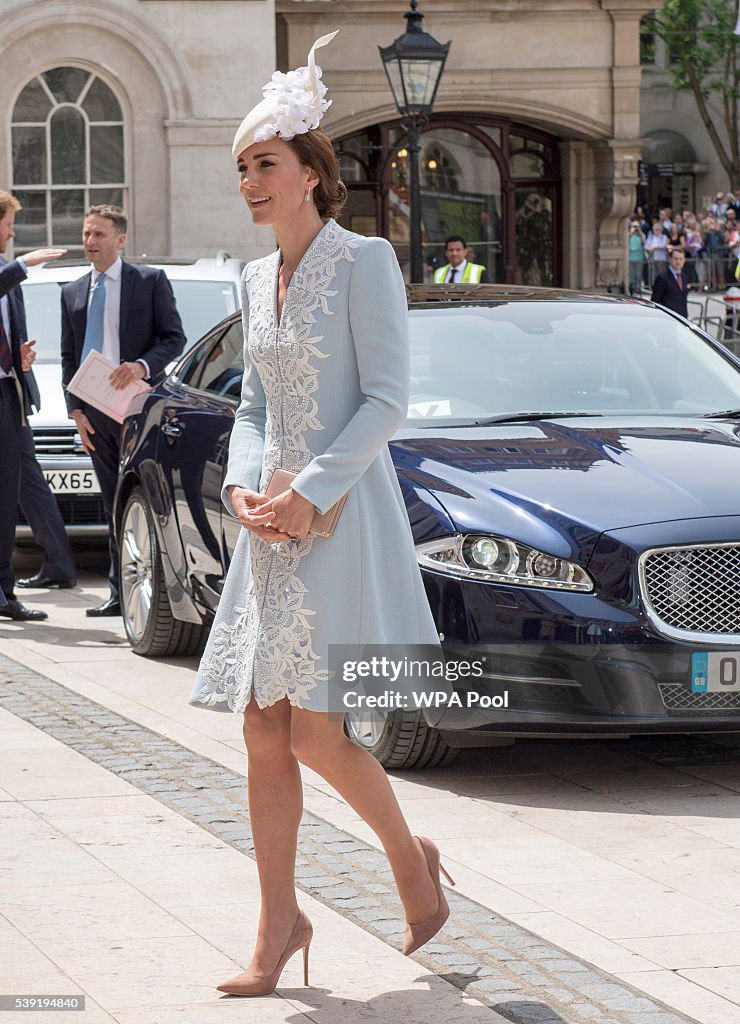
(524, 978)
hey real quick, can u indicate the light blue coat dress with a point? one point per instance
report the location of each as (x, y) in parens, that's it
(324, 390)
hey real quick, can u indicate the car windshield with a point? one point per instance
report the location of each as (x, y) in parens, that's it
(201, 305)
(474, 363)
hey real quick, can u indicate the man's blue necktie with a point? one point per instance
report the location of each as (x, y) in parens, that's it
(95, 320)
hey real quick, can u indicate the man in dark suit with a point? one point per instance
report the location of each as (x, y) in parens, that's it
(128, 314)
(669, 289)
(18, 395)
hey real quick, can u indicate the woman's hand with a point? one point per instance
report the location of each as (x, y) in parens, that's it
(292, 513)
(255, 513)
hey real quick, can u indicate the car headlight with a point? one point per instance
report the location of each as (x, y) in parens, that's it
(501, 560)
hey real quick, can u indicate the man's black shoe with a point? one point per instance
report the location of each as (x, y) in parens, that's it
(110, 607)
(46, 581)
(17, 611)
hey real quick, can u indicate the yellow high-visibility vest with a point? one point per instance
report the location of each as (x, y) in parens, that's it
(471, 274)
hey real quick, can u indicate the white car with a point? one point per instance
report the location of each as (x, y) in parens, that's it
(205, 291)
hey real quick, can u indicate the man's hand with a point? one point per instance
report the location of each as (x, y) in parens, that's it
(84, 429)
(27, 355)
(32, 259)
(126, 374)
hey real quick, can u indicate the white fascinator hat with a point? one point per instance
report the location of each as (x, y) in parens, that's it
(293, 104)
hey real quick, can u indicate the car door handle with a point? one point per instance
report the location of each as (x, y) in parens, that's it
(170, 429)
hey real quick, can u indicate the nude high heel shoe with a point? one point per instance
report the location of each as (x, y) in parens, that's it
(251, 984)
(417, 934)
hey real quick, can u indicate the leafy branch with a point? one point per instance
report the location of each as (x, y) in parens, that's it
(703, 48)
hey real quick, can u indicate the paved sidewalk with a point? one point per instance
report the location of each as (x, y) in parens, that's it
(628, 862)
(126, 864)
(110, 894)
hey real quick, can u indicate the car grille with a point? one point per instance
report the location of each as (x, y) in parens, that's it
(539, 693)
(683, 701)
(693, 593)
(76, 510)
(55, 440)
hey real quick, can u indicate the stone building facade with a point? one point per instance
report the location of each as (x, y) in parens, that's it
(132, 100)
(531, 153)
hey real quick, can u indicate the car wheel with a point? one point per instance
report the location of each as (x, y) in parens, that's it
(151, 627)
(402, 739)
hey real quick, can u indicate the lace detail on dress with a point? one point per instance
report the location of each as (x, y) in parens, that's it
(266, 649)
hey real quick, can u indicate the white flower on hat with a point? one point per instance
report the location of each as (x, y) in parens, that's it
(300, 104)
(293, 104)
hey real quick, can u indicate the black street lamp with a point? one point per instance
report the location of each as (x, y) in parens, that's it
(414, 64)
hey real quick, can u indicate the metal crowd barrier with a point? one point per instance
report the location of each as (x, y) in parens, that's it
(712, 272)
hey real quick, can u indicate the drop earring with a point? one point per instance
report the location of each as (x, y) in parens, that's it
(307, 196)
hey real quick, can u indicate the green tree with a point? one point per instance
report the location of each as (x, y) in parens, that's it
(699, 36)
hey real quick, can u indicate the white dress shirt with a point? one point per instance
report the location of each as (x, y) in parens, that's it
(459, 271)
(112, 316)
(111, 341)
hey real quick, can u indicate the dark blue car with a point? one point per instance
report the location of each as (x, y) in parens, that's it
(571, 470)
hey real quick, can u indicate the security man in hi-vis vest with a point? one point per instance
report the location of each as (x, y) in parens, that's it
(458, 270)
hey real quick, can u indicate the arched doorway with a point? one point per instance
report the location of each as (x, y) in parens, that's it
(492, 181)
(668, 172)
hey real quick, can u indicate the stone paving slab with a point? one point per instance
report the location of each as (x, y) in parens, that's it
(520, 976)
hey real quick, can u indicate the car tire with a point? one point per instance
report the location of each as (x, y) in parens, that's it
(401, 739)
(150, 626)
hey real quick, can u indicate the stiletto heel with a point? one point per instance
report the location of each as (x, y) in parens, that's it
(447, 875)
(417, 934)
(251, 984)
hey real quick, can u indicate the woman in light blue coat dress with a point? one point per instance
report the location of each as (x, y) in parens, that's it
(325, 387)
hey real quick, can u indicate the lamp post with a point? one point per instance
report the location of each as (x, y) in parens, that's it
(414, 64)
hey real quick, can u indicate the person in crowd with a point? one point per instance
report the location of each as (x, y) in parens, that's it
(640, 215)
(656, 249)
(665, 216)
(719, 207)
(732, 241)
(126, 312)
(636, 256)
(676, 238)
(734, 203)
(457, 269)
(670, 287)
(714, 239)
(18, 396)
(325, 387)
(695, 251)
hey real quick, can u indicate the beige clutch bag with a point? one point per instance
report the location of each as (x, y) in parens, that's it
(323, 524)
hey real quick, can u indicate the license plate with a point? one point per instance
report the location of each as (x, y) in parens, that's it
(72, 481)
(715, 672)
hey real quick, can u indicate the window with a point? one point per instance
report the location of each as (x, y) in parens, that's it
(647, 38)
(68, 154)
(217, 365)
(441, 170)
(224, 365)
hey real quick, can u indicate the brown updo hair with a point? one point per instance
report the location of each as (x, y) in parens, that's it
(314, 150)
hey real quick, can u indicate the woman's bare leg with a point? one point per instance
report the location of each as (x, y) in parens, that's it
(275, 809)
(318, 741)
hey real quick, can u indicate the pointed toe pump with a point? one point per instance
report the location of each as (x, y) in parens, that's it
(252, 984)
(417, 934)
